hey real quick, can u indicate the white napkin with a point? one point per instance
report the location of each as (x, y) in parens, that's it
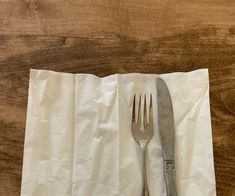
(78, 139)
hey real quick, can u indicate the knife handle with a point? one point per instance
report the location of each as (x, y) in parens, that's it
(170, 178)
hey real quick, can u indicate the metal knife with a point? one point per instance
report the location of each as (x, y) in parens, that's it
(167, 135)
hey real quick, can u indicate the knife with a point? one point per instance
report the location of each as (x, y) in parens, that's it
(167, 135)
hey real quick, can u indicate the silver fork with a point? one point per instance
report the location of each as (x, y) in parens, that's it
(143, 137)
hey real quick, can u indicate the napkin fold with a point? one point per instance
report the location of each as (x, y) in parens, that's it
(78, 139)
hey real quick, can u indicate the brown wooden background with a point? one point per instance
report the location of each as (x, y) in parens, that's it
(109, 36)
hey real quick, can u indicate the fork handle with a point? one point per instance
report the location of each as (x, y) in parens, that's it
(145, 191)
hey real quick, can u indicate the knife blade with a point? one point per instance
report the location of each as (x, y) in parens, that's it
(167, 135)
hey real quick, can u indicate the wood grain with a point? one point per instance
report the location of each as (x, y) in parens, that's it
(106, 37)
(135, 18)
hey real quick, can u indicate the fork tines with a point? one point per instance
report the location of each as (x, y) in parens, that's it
(150, 115)
(147, 120)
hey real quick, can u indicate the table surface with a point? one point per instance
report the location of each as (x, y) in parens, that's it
(115, 36)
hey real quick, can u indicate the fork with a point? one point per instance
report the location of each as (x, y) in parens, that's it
(143, 133)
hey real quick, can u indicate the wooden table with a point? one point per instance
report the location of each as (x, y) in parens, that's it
(115, 36)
